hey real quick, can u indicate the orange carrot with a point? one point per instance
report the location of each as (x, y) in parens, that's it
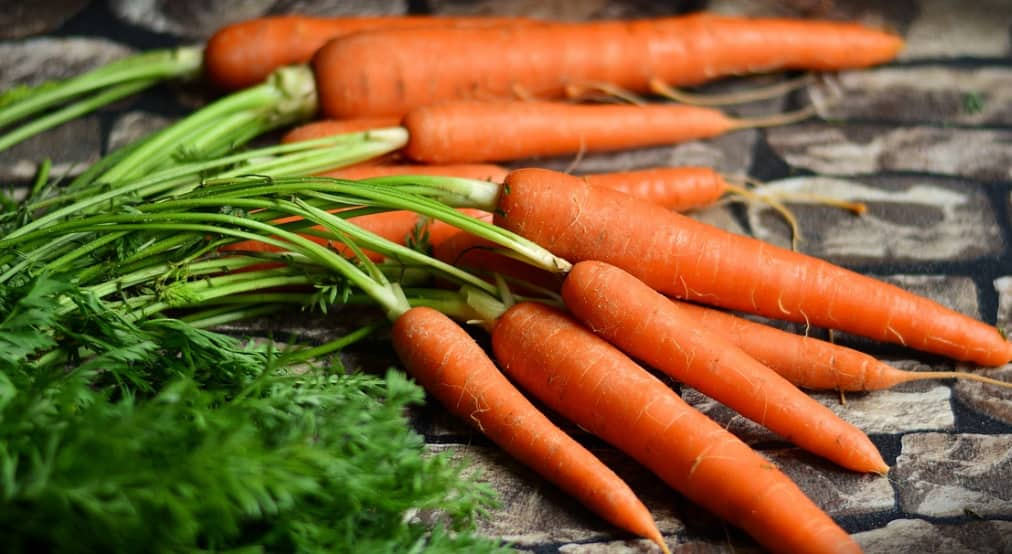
(331, 127)
(384, 72)
(688, 259)
(447, 362)
(458, 131)
(675, 188)
(485, 172)
(590, 382)
(474, 253)
(398, 226)
(813, 363)
(641, 322)
(245, 53)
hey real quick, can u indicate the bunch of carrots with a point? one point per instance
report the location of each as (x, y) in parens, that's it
(592, 273)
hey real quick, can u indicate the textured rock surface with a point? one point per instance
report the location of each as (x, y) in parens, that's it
(907, 219)
(924, 143)
(873, 148)
(941, 475)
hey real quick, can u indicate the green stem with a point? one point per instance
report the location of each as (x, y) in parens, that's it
(70, 112)
(289, 95)
(335, 345)
(184, 62)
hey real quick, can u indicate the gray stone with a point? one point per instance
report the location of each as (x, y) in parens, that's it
(918, 535)
(838, 492)
(200, 19)
(33, 61)
(534, 511)
(1004, 287)
(134, 125)
(868, 12)
(935, 93)
(982, 31)
(72, 147)
(940, 475)
(856, 149)
(20, 18)
(990, 400)
(188, 18)
(563, 10)
(907, 219)
(923, 407)
(641, 546)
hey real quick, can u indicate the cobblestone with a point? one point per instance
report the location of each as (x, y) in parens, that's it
(907, 219)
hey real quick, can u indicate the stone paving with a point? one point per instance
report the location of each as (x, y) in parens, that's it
(925, 142)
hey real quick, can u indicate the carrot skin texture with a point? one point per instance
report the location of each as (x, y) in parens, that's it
(458, 131)
(379, 73)
(447, 362)
(245, 53)
(693, 261)
(676, 188)
(805, 361)
(641, 322)
(593, 384)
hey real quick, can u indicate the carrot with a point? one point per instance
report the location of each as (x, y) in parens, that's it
(458, 131)
(812, 363)
(474, 253)
(675, 188)
(691, 260)
(593, 384)
(385, 72)
(331, 127)
(485, 172)
(399, 226)
(447, 362)
(641, 322)
(245, 53)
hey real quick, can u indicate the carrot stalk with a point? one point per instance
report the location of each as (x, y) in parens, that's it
(639, 320)
(448, 363)
(594, 385)
(813, 363)
(688, 259)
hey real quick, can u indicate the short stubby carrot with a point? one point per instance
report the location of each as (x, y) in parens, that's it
(332, 127)
(245, 53)
(457, 131)
(690, 260)
(452, 367)
(390, 72)
(675, 188)
(593, 384)
(641, 322)
(813, 363)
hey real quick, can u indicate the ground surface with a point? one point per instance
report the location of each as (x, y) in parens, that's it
(926, 142)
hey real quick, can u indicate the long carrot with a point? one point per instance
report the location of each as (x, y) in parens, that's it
(593, 384)
(382, 73)
(641, 322)
(457, 131)
(448, 363)
(694, 261)
(813, 363)
(245, 53)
